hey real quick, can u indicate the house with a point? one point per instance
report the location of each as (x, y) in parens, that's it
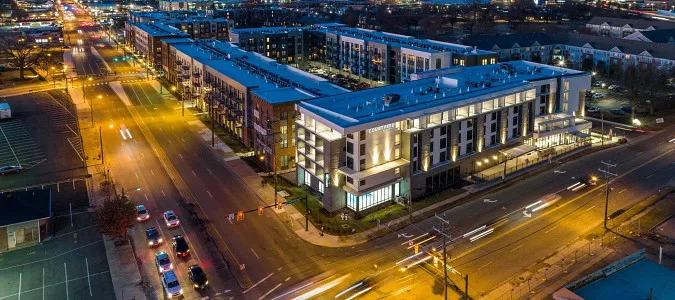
(662, 36)
(619, 28)
(24, 218)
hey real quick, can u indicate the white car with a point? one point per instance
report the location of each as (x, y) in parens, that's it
(593, 109)
(163, 262)
(598, 96)
(143, 214)
(171, 219)
(171, 285)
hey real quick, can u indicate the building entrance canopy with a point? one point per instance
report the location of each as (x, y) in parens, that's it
(519, 151)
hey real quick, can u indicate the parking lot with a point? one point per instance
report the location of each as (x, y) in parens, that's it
(71, 265)
(43, 137)
(17, 147)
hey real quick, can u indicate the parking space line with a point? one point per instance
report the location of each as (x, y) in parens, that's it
(19, 286)
(48, 258)
(66, 270)
(86, 262)
(53, 285)
(43, 283)
(9, 145)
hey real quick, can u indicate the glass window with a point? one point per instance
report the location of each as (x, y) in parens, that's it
(352, 201)
(308, 179)
(362, 149)
(284, 136)
(320, 187)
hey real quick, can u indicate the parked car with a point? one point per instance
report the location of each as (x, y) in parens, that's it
(171, 219)
(171, 285)
(593, 109)
(153, 237)
(612, 87)
(618, 111)
(627, 108)
(163, 262)
(10, 169)
(198, 277)
(598, 96)
(180, 246)
(143, 214)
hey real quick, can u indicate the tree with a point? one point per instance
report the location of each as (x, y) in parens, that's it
(114, 216)
(430, 23)
(23, 55)
(520, 10)
(350, 17)
(452, 17)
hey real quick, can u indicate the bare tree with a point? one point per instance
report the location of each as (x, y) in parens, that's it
(521, 10)
(23, 54)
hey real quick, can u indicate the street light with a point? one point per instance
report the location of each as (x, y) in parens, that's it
(91, 104)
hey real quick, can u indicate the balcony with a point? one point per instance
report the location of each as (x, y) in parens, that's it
(389, 172)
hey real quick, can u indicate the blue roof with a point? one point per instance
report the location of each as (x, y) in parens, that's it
(457, 86)
(633, 282)
(160, 29)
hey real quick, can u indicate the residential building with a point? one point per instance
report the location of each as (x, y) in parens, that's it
(24, 218)
(583, 51)
(196, 24)
(661, 36)
(145, 39)
(619, 28)
(283, 44)
(251, 96)
(135, 16)
(369, 148)
(378, 56)
(34, 32)
(169, 5)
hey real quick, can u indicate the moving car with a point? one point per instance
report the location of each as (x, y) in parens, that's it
(10, 169)
(180, 246)
(153, 237)
(124, 131)
(198, 277)
(163, 262)
(143, 214)
(171, 285)
(590, 179)
(171, 219)
(627, 108)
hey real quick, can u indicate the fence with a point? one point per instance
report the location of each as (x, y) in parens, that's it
(528, 163)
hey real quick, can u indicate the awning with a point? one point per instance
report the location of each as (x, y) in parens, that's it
(519, 151)
(580, 134)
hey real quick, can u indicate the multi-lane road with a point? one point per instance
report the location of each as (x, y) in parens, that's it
(279, 264)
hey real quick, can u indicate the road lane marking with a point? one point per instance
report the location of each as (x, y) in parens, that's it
(485, 265)
(146, 197)
(181, 155)
(142, 155)
(209, 194)
(19, 286)
(153, 173)
(52, 285)
(268, 292)
(287, 278)
(257, 283)
(193, 173)
(86, 262)
(547, 231)
(66, 270)
(183, 141)
(209, 170)
(163, 193)
(256, 254)
(650, 175)
(516, 248)
(136, 175)
(623, 191)
(589, 208)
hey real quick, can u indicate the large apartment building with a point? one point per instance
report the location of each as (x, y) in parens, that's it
(369, 148)
(145, 39)
(379, 56)
(251, 96)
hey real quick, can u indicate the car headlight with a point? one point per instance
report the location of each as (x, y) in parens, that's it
(150, 243)
(139, 218)
(206, 282)
(170, 266)
(195, 285)
(159, 240)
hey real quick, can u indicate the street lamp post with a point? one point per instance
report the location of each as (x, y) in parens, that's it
(53, 78)
(91, 105)
(608, 174)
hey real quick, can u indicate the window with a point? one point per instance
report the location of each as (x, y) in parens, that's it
(362, 149)
(484, 61)
(352, 201)
(431, 147)
(321, 186)
(397, 139)
(350, 163)
(443, 143)
(362, 182)
(444, 130)
(350, 180)
(397, 171)
(442, 156)
(362, 164)
(362, 135)
(308, 178)
(350, 147)
(284, 136)
(283, 161)
(284, 115)
(397, 153)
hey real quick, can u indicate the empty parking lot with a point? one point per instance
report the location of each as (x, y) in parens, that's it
(17, 147)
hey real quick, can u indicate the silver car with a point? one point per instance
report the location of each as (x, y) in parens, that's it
(10, 169)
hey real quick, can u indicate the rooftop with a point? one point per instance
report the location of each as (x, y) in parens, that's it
(633, 23)
(281, 29)
(433, 92)
(274, 82)
(159, 29)
(18, 207)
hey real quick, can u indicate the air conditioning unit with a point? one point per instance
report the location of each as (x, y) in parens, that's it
(391, 98)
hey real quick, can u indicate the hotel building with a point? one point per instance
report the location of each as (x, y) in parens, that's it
(373, 147)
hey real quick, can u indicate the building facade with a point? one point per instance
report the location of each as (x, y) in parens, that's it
(24, 218)
(145, 39)
(373, 147)
(619, 28)
(249, 95)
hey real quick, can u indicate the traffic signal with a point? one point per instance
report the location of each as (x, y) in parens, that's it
(260, 210)
(116, 59)
(240, 215)
(417, 248)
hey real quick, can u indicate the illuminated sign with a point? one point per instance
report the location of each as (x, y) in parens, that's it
(382, 128)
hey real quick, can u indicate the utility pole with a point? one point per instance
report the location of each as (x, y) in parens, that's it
(602, 129)
(608, 175)
(306, 213)
(445, 256)
(100, 137)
